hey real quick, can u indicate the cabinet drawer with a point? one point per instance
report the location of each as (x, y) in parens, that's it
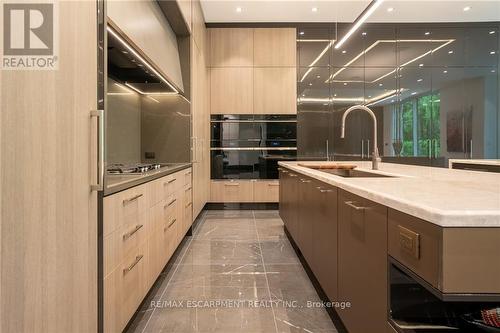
(187, 176)
(121, 242)
(124, 289)
(231, 191)
(266, 191)
(124, 207)
(165, 187)
(416, 244)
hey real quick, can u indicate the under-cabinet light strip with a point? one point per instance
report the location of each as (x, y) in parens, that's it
(138, 56)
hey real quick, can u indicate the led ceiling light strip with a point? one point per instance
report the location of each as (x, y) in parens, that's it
(328, 46)
(359, 21)
(138, 56)
(444, 41)
(371, 101)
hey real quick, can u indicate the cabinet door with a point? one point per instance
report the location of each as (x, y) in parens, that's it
(275, 90)
(231, 90)
(325, 238)
(231, 47)
(283, 195)
(275, 47)
(292, 205)
(266, 191)
(306, 216)
(362, 263)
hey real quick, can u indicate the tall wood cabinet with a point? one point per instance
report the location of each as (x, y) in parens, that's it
(253, 70)
(200, 111)
(48, 232)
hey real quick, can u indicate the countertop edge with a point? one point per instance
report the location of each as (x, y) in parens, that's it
(145, 179)
(440, 218)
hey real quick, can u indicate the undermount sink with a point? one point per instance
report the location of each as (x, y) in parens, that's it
(353, 173)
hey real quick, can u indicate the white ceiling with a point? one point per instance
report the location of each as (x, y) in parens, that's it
(411, 11)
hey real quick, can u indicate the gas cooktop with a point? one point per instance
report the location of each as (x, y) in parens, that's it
(138, 168)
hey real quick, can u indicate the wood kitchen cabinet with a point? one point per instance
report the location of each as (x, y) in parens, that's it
(244, 191)
(306, 216)
(143, 226)
(231, 47)
(275, 90)
(231, 90)
(324, 262)
(362, 269)
(275, 47)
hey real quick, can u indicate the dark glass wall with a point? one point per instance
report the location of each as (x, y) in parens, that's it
(433, 87)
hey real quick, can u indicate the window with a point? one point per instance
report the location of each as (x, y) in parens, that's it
(420, 124)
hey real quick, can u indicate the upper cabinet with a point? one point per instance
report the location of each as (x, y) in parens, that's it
(186, 10)
(253, 70)
(275, 47)
(231, 47)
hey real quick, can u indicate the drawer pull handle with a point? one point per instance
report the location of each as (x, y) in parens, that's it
(232, 184)
(129, 234)
(188, 173)
(170, 224)
(189, 204)
(353, 205)
(305, 180)
(409, 242)
(170, 203)
(172, 180)
(273, 184)
(188, 189)
(129, 268)
(323, 190)
(135, 197)
(293, 175)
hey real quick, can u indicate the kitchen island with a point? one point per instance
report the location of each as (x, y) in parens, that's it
(438, 227)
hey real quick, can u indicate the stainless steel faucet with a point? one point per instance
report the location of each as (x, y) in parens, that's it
(375, 154)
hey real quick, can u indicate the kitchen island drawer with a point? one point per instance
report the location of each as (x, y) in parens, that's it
(231, 191)
(125, 207)
(266, 191)
(416, 244)
(164, 187)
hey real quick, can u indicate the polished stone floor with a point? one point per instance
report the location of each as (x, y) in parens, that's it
(237, 273)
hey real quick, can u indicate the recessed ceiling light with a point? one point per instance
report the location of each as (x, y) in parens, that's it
(344, 51)
(427, 33)
(334, 95)
(450, 52)
(390, 9)
(310, 84)
(380, 84)
(492, 32)
(363, 33)
(467, 8)
(238, 9)
(421, 65)
(445, 71)
(318, 76)
(369, 96)
(492, 52)
(420, 80)
(314, 9)
(345, 83)
(325, 104)
(392, 101)
(493, 71)
(414, 93)
(301, 33)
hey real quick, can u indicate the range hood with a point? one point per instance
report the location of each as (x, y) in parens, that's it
(127, 66)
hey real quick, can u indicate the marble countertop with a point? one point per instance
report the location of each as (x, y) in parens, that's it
(445, 197)
(482, 162)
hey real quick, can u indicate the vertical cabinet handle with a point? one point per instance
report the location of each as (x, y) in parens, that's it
(368, 149)
(362, 148)
(98, 185)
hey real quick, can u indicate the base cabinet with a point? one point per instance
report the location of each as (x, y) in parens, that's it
(362, 278)
(244, 191)
(144, 226)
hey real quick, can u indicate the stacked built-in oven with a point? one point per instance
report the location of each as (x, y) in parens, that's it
(250, 146)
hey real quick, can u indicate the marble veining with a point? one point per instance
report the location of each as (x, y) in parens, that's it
(445, 197)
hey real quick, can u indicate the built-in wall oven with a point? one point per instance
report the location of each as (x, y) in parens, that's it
(415, 306)
(250, 146)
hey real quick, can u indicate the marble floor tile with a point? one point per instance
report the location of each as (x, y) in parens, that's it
(214, 252)
(278, 251)
(238, 273)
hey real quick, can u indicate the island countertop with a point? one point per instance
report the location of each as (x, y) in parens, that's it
(445, 197)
